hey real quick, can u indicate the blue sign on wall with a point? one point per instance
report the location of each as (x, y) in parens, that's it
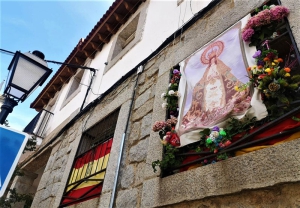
(12, 144)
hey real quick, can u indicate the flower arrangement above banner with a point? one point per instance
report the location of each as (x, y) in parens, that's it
(236, 98)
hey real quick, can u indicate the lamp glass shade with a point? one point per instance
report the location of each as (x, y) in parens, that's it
(26, 72)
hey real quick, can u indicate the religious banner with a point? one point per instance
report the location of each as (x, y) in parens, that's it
(214, 86)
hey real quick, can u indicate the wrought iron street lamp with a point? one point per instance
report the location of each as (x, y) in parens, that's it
(26, 72)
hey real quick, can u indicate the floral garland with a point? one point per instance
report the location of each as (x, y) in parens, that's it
(166, 129)
(261, 25)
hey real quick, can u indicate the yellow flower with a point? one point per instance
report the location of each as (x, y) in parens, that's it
(287, 75)
(164, 142)
(267, 70)
(275, 60)
(236, 88)
(273, 64)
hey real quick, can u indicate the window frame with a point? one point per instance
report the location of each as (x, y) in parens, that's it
(91, 149)
(114, 58)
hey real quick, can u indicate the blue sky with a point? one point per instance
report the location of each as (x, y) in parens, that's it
(52, 27)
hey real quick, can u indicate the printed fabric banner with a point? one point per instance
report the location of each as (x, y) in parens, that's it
(209, 78)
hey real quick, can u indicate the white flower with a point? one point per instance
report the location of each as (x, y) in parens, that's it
(271, 6)
(164, 105)
(163, 95)
(171, 92)
(178, 94)
(170, 84)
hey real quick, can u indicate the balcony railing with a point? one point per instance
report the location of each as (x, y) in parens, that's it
(39, 123)
(197, 158)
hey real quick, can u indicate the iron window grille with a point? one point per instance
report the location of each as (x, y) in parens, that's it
(88, 170)
(39, 123)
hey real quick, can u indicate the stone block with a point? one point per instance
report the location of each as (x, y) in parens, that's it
(143, 110)
(146, 127)
(152, 72)
(149, 84)
(91, 203)
(142, 78)
(127, 176)
(55, 188)
(142, 99)
(104, 200)
(139, 174)
(134, 132)
(127, 198)
(44, 180)
(138, 152)
(46, 193)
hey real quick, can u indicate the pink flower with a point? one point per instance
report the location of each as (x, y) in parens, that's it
(158, 125)
(172, 121)
(279, 12)
(247, 34)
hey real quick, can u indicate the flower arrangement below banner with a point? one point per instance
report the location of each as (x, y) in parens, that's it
(215, 139)
(264, 24)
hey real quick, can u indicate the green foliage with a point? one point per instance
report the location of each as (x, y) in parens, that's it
(14, 198)
(31, 144)
(235, 126)
(169, 159)
(222, 156)
(296, 118)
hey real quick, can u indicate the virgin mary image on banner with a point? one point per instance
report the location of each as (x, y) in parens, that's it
(210, 78)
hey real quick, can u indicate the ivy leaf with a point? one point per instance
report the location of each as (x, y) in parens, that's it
(296, 118)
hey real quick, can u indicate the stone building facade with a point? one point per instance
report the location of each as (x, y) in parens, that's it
(264, 178)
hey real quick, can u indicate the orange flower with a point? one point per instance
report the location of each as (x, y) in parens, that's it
(266, 59)
(280, 60)
(260, 66)
(249, 68)
(287, 69)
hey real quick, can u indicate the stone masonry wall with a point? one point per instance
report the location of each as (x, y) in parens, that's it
(251, 180)
(54, 178)
(258, 179)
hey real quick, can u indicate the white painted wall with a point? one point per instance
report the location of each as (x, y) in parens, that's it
(163, 18)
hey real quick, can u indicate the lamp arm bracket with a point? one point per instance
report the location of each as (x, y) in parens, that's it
(73, 65)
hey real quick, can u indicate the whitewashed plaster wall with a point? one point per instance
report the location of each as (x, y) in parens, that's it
(162, 19)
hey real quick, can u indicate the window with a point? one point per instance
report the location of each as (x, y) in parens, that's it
(87, 174)
(75, 83)
(275, 76)
(128, 37)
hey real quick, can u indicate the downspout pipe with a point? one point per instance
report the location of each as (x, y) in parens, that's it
(87, 91)
(112, 199)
